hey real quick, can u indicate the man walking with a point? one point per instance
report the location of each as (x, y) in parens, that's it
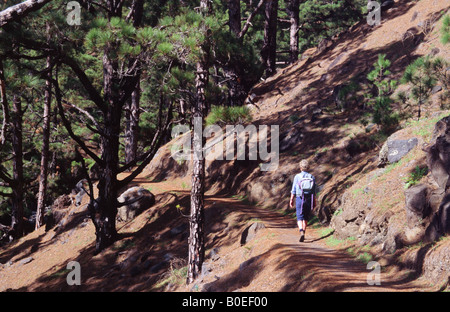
(303, 190)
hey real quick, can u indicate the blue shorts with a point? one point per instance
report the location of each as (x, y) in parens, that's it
(303, 207)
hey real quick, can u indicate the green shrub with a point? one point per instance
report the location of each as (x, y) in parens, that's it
(221, 115)
(415, 176)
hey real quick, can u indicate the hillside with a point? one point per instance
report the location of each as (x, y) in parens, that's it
(152, 250)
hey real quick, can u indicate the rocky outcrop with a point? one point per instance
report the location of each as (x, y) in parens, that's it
(134, 201)
(394, 150)
(438, 162)
(58, 211)
(426, 214)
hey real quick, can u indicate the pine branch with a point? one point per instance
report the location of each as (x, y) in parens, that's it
(93, 93)
(18, 11)
(148, 156)
(250, 18)
(69, 127)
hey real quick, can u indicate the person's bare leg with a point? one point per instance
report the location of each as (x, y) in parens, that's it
(300, 225)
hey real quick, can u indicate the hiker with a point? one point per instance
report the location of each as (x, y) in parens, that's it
(304, 189)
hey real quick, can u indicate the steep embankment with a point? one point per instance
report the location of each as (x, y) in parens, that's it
(152, 248)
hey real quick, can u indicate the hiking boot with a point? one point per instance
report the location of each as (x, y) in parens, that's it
(302, 237)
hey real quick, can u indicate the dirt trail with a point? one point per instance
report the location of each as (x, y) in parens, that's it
(273, 261)
(279, 262)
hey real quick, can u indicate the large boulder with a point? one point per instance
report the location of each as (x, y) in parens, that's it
(58, 211)
(438, 161)
(417, 209)
(79, 191)
(399, 148)
(133, 202)
(416, 204)
(438, 153)
(393, 150)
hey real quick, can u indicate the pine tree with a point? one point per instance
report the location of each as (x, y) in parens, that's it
(419, 75)
(382, 111)
(199, 110)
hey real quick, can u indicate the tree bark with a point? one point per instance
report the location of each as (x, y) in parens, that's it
(234, 16)
(18, 11)
(133, 113)
(196, 222)
(5, 106)
(132, 131)
(17, 185)
(45, 151)
(268, 51)
(196, 240)
(104, 210)
(293, 12)
(232, 70)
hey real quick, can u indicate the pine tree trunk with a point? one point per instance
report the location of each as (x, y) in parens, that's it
(234, 16)
(232, 70)
(104, 209)
(268, 51)
(196, 240)
(5, 105)
(17, 185)
(293, 12)
(196, 224)
(133, 114)
(132, 131)
(44, 153)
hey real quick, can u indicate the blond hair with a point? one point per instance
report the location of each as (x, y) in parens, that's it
(304, 165)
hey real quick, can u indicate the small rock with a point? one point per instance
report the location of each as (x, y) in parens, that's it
(206, 270)
(434, 52)
(370, 127)
(179, 229)
(214, 254)
(146, 265)
(436, 89)
(251, 231)
(168, 256)
(26, 260)
(157, 267)
(135, 270)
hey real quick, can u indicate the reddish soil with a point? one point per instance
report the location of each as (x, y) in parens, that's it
(273, 260)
